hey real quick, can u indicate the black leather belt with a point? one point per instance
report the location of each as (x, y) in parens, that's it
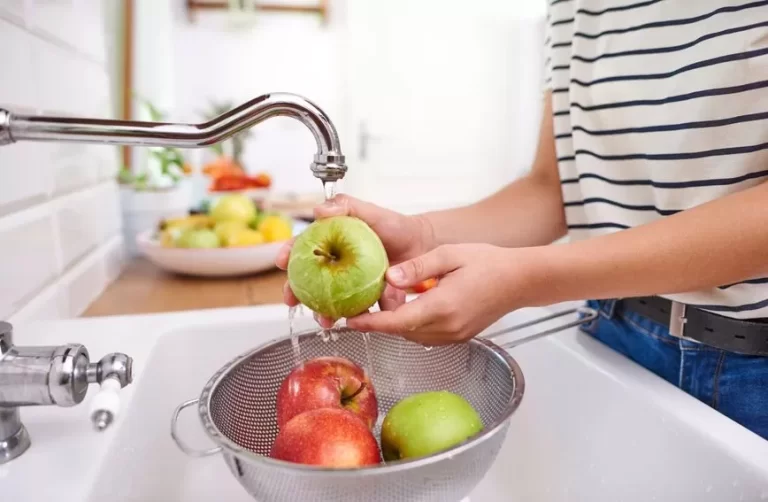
(734, 335)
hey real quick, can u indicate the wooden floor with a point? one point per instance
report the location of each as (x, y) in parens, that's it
(144, 288)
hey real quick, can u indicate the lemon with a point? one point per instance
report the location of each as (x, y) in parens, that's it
(245, 237)
(226, 229)
(275, 228)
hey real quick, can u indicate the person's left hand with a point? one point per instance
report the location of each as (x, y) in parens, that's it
(478, 284)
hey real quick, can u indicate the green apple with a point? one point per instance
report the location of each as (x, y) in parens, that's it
(233, 207)
(427, 423)
(198, 238)
(337, 267)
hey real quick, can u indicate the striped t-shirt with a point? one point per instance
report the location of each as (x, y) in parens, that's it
(659, 106)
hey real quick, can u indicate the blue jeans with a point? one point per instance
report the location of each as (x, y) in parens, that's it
(736, 385)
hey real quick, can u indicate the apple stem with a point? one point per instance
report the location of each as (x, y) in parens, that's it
(355, 394)
(320, 252)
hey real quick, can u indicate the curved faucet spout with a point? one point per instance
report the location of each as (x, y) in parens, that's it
(328, 165)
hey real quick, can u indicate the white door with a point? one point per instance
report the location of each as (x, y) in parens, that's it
(442, 98)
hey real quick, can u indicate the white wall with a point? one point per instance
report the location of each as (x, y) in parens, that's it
(281, 53)
(295, 53)
(450, 94)
(59, 212)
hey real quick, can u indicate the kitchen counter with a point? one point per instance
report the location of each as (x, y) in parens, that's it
(145, 288)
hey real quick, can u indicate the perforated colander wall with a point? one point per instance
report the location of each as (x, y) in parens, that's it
(242, 408)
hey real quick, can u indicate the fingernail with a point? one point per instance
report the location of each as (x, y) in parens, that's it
(396, 274)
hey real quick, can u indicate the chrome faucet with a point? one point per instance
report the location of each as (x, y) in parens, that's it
(328, 165)
(56, 375)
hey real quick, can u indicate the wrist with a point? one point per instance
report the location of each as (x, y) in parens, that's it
(426, 230)
(533, 277)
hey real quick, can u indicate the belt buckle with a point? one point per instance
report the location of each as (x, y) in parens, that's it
(677, 321)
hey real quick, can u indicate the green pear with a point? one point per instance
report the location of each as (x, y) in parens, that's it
(427, 423)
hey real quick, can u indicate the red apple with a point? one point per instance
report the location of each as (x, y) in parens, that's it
(328, 437)
(327, 382)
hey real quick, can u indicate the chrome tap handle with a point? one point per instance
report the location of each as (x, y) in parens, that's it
(54, 375)
(112, 372)
(118, 366)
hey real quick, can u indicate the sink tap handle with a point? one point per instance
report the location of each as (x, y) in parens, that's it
(118, 366)
(112, 372)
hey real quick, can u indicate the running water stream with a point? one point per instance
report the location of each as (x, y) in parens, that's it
(292, 311)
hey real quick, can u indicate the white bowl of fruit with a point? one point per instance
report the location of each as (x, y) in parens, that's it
(233, 238)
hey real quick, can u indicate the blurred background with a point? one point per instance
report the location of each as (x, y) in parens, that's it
(437, 104)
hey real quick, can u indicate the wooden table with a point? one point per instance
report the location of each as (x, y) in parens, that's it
(144, 288)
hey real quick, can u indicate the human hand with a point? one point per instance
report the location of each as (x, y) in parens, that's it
(404, 237)
(479, 283)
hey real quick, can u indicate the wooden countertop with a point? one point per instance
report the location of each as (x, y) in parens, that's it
(144, 288)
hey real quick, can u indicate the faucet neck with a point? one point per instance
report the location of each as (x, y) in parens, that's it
(328, 165)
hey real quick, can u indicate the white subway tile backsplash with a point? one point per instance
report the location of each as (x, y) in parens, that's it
(86, 220)
(12, 10)
(84, 288)
(72, 167)
(59, 206)
(28, 260)
(25, 177)
(17, 84)
(63, 22)
(81, 286)
(59, 75)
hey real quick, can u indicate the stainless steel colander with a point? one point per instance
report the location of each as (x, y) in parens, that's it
(237, 411)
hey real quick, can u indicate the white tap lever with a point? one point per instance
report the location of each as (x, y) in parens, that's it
(106, 404)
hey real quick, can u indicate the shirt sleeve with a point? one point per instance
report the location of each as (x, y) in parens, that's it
(547, 53)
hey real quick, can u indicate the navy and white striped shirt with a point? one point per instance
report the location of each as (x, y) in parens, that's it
(659, 106)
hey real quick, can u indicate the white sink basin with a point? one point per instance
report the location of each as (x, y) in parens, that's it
(592, 426)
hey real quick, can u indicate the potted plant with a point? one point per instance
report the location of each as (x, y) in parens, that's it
(159, 189)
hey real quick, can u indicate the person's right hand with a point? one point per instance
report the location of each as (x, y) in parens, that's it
(404, 237)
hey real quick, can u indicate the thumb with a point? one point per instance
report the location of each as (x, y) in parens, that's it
(435, 263)
(345, 205)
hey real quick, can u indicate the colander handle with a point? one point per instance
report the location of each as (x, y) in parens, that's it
(175, 433)
(586, 314)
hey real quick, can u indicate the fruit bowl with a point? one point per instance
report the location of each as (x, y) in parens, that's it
(212, 262)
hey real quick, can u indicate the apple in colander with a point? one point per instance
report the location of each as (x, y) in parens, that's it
(328, 437)
(327, 382)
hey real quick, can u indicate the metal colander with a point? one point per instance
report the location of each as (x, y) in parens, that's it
(237, 410)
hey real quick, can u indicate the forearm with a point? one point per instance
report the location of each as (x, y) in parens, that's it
(528, 212)
(721, 242)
